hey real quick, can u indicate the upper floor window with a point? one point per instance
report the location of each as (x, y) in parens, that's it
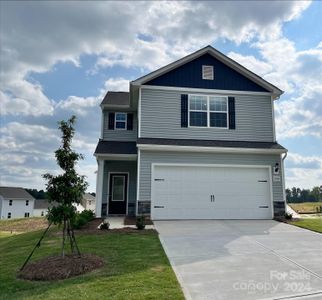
(120, 120)
(10, 202)
(208, 111)
(27, 202)
(208, 72)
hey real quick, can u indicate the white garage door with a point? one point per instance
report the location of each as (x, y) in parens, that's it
(194, 192)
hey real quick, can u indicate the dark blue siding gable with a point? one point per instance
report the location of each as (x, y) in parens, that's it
(190, 75)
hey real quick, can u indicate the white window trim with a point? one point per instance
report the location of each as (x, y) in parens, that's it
(125, 121)
(208, 111)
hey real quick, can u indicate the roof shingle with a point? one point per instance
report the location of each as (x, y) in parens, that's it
(116, 147)
(15, 193)
(116, 98)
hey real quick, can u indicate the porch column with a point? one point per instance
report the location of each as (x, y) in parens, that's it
(99, 187)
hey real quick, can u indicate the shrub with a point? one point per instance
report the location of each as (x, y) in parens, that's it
(140, 222)
(105, 225)
(79, 221)
(288, 216)
(88, 214)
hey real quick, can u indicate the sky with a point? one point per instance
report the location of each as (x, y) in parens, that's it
(59, 58)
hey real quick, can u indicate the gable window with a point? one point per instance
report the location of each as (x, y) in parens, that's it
(120, 120)
(208, 111)
(208, 72)
(27, 215)
(9, 215)
(27, 202)
(10, 202)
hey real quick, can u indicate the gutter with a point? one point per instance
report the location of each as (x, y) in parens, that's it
(209, 149)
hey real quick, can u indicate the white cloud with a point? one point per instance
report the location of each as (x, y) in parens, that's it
(36, 35)
(252, 63)
(301, 115)
(296, 160)
(78, 105)
(303, 177)
(303, 171)
(298, 73)
(116, 84)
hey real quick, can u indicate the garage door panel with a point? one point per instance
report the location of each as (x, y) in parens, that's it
(183, 192)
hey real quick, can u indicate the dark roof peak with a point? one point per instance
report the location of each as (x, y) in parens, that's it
(116, 98)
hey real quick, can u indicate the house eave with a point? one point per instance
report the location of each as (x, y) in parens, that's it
(200, 90)
(110, 156)
(153, 147)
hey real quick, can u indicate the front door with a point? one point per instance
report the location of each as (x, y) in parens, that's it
(117, 193)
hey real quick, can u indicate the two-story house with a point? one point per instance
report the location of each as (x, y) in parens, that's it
(15, 202)
(192, 140)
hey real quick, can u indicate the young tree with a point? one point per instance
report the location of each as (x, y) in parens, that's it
(67, 188)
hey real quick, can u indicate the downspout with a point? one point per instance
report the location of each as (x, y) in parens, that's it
(283, 175)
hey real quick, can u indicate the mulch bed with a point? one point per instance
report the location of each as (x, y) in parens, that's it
(91, 227)
(57, 268)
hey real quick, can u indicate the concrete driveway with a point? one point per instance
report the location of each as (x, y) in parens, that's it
(257, 259)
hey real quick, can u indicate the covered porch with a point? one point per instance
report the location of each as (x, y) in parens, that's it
(116, 182)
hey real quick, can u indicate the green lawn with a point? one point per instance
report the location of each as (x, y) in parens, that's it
(305, 207)
(311, 224)
(136, 267)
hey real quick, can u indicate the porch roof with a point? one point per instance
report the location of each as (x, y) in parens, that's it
(115, 147)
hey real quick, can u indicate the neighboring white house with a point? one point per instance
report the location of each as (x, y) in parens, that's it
(88, 202)
(15, 202)
(41, 207)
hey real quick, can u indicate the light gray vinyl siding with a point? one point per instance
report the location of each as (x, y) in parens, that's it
(149, 157)
(126, 167)
(119, 135)
(161, 118)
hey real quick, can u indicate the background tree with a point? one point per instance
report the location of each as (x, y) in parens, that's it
(288, 195)
(67, 188)
(296, 195)
(316, 194)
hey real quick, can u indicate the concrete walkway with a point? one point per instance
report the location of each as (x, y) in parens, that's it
(257, 259)
(291, 211)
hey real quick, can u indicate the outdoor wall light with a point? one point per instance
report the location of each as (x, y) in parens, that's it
(277, 168)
